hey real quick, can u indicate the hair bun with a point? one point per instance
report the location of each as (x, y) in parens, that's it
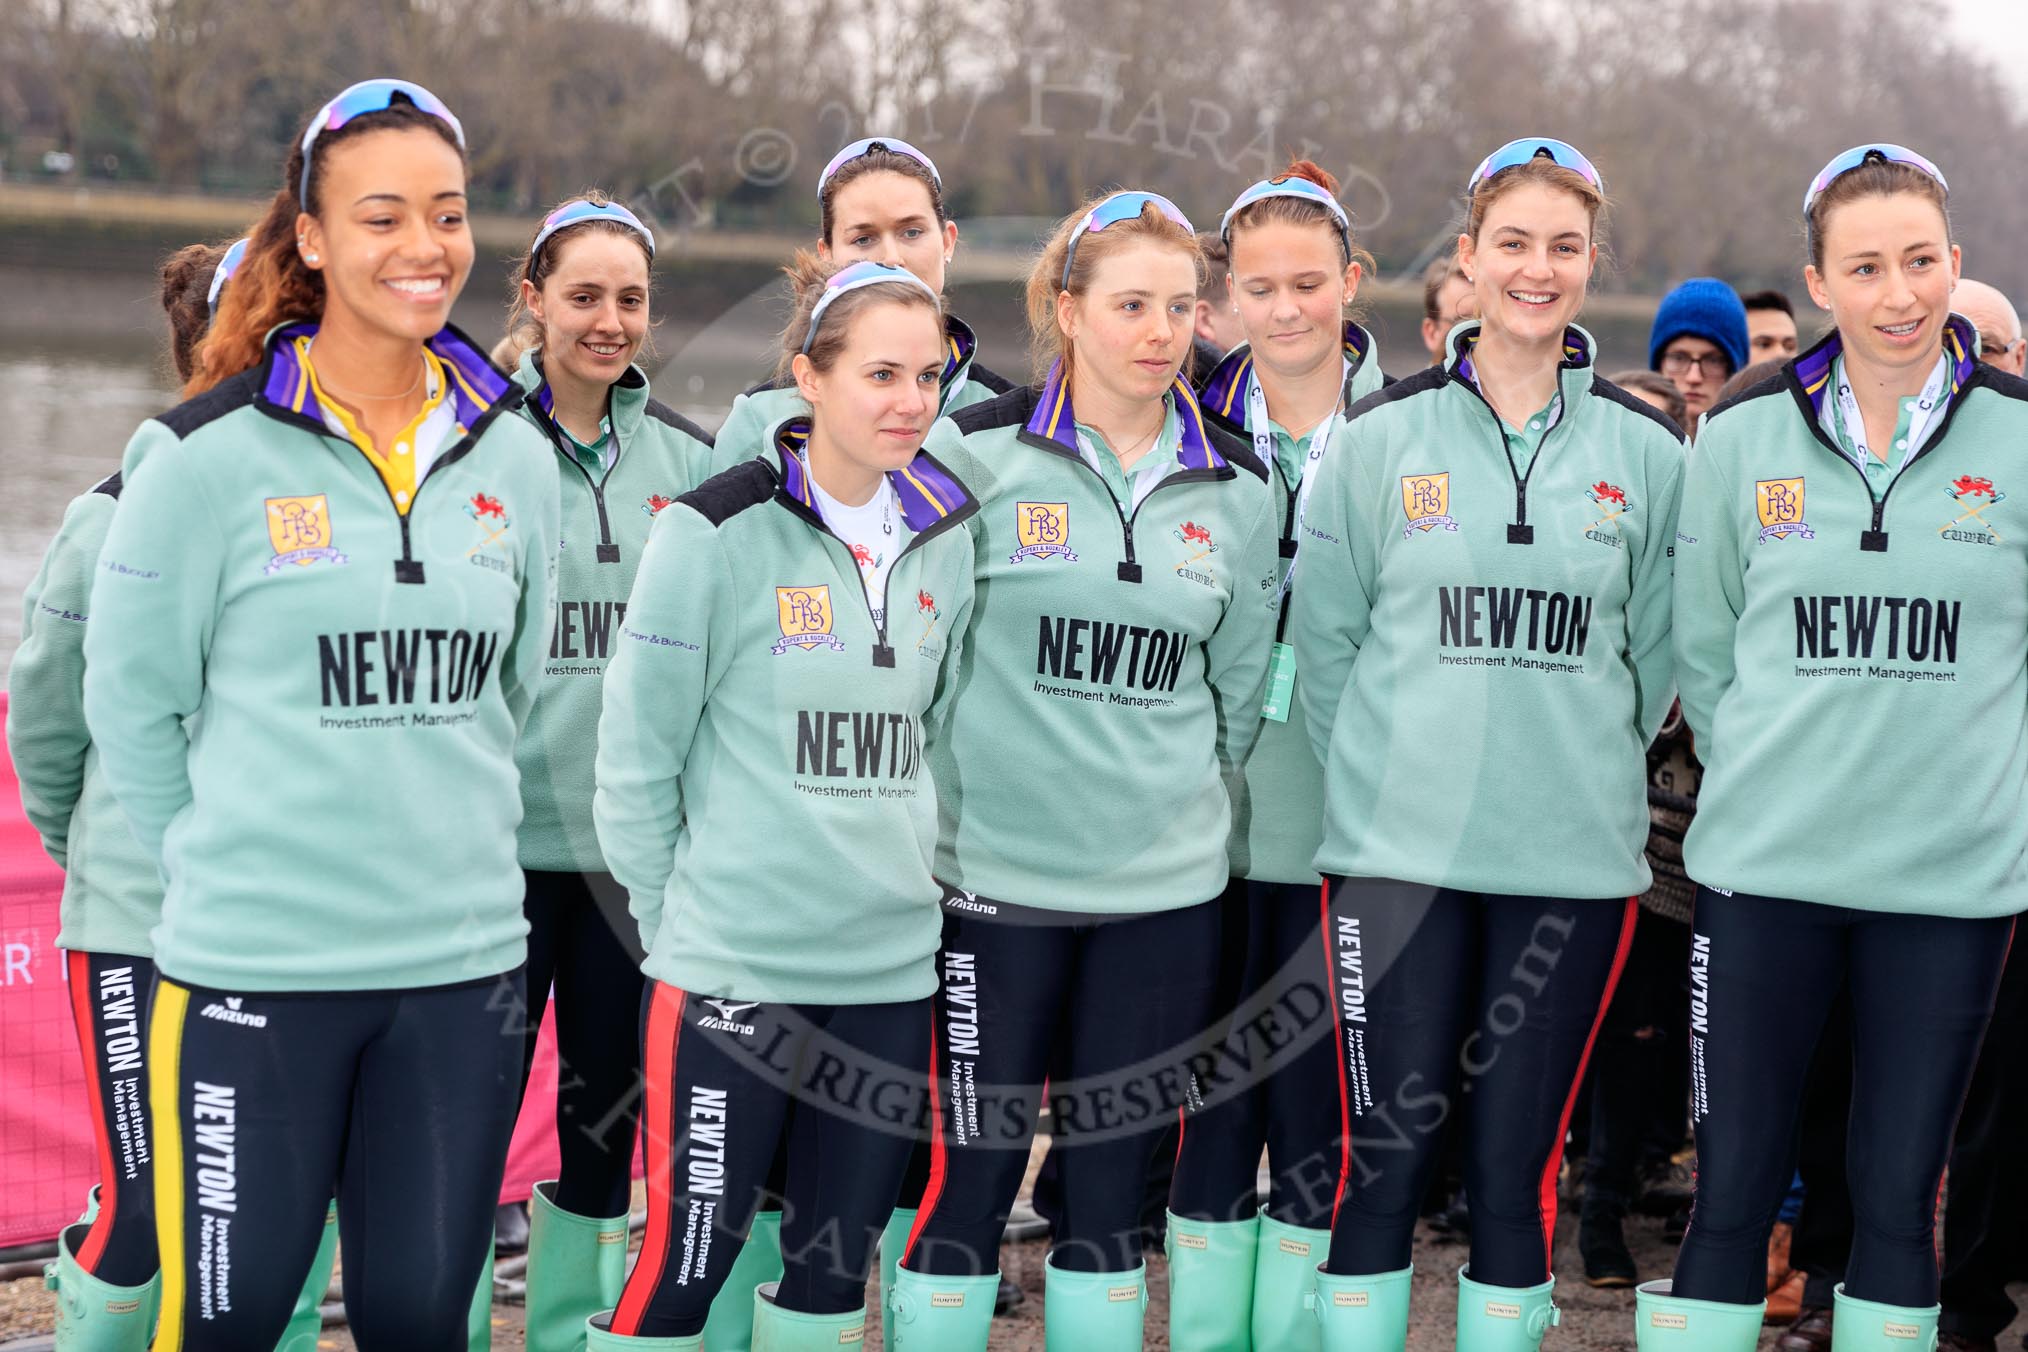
(1314, 172)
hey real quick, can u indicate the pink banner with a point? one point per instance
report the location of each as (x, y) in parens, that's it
(46, 1152)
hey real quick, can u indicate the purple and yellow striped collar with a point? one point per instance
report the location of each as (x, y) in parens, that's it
(1813, 368)
(1225, 393)
(1577, 350)
(476, 384)
(926, 491)
(1054, 420)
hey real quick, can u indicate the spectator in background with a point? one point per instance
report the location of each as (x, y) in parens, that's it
(1217, 326)
(1658, 391)
(1992, 314)
(1698, 341)
(1446, 299)
(1770, 326)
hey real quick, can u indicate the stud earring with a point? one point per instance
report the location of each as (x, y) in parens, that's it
(309, 258)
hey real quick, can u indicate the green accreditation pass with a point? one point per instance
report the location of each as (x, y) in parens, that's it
(1281, 684)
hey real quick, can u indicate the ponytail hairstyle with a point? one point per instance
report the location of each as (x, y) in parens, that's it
(524, 330)
(186, 291)
(877, 158)
(809, 276)
(1047, 279)
(273, 285)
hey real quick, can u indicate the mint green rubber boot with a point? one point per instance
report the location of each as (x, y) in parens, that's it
(577, 1266)
(92, 1316)
(1866, 1326)
(600, 1338)
(778, 1330)
(926, 1313)
(894, 1243)
(1364, 1313)
(1668, 1323)
(306, 1321)
(91, 1211)
(479, 1322)
(1504, 1318)
(1284, 1283)
(1093, 1311)
(730, 1325)
(1211, 1284)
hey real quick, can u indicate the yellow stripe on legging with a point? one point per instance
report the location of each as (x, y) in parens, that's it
(165, 1082)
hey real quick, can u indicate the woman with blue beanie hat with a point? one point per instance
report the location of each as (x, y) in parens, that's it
(1700, 326)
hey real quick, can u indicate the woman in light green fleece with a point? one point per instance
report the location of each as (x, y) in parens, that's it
(1110, 689)
(1851, 614)
(878, 199)
(318, 622)
(765, 797)
(105, 1272)
(1481, 616)
(1239, 1270)
(580, 319)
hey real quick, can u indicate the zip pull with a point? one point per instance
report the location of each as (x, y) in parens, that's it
(609, 553)
(883, 656)
(408, 570)
(1519, 532)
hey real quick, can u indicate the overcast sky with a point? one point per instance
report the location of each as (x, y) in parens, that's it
(2001, 29)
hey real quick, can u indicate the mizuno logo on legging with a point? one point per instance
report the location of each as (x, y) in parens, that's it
(214, 1129)
(726, 1024)
(1351, 971)
(229, 1011)
(708, 1110)
(116, 1010)
(961, 999)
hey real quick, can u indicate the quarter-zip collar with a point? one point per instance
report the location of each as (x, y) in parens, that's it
(1053, 425)
(930, 497)
(1225, 392)
(478, 388)
(1808, 378)
(1574, 378)
(480, 391)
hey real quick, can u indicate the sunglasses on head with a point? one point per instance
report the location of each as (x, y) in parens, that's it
(870, 143)
(1121, 206)
(227, 265)
(853, 277)
(1520, 152)
(369, 96)
(577, 213)
(1879, 153)
(1302, 189)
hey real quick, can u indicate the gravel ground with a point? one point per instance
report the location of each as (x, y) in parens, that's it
(1592, 1320)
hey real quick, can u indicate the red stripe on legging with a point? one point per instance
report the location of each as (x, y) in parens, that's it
(1338, 1035)
(658, 1062)
(94, 1246)
(1547, 1201)
(932, 1191)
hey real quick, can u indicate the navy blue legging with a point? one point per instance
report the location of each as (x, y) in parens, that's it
(1437, 989)
(109, 995)
(1114, 1011)
(1276, 1053)
(581, 938)
(734, 1086)
(264, 1104)
(1763, 975)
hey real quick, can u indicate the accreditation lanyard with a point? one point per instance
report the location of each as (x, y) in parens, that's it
(1281, 681)
(1852, 425)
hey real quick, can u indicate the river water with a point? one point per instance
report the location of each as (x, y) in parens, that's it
(83, 362)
